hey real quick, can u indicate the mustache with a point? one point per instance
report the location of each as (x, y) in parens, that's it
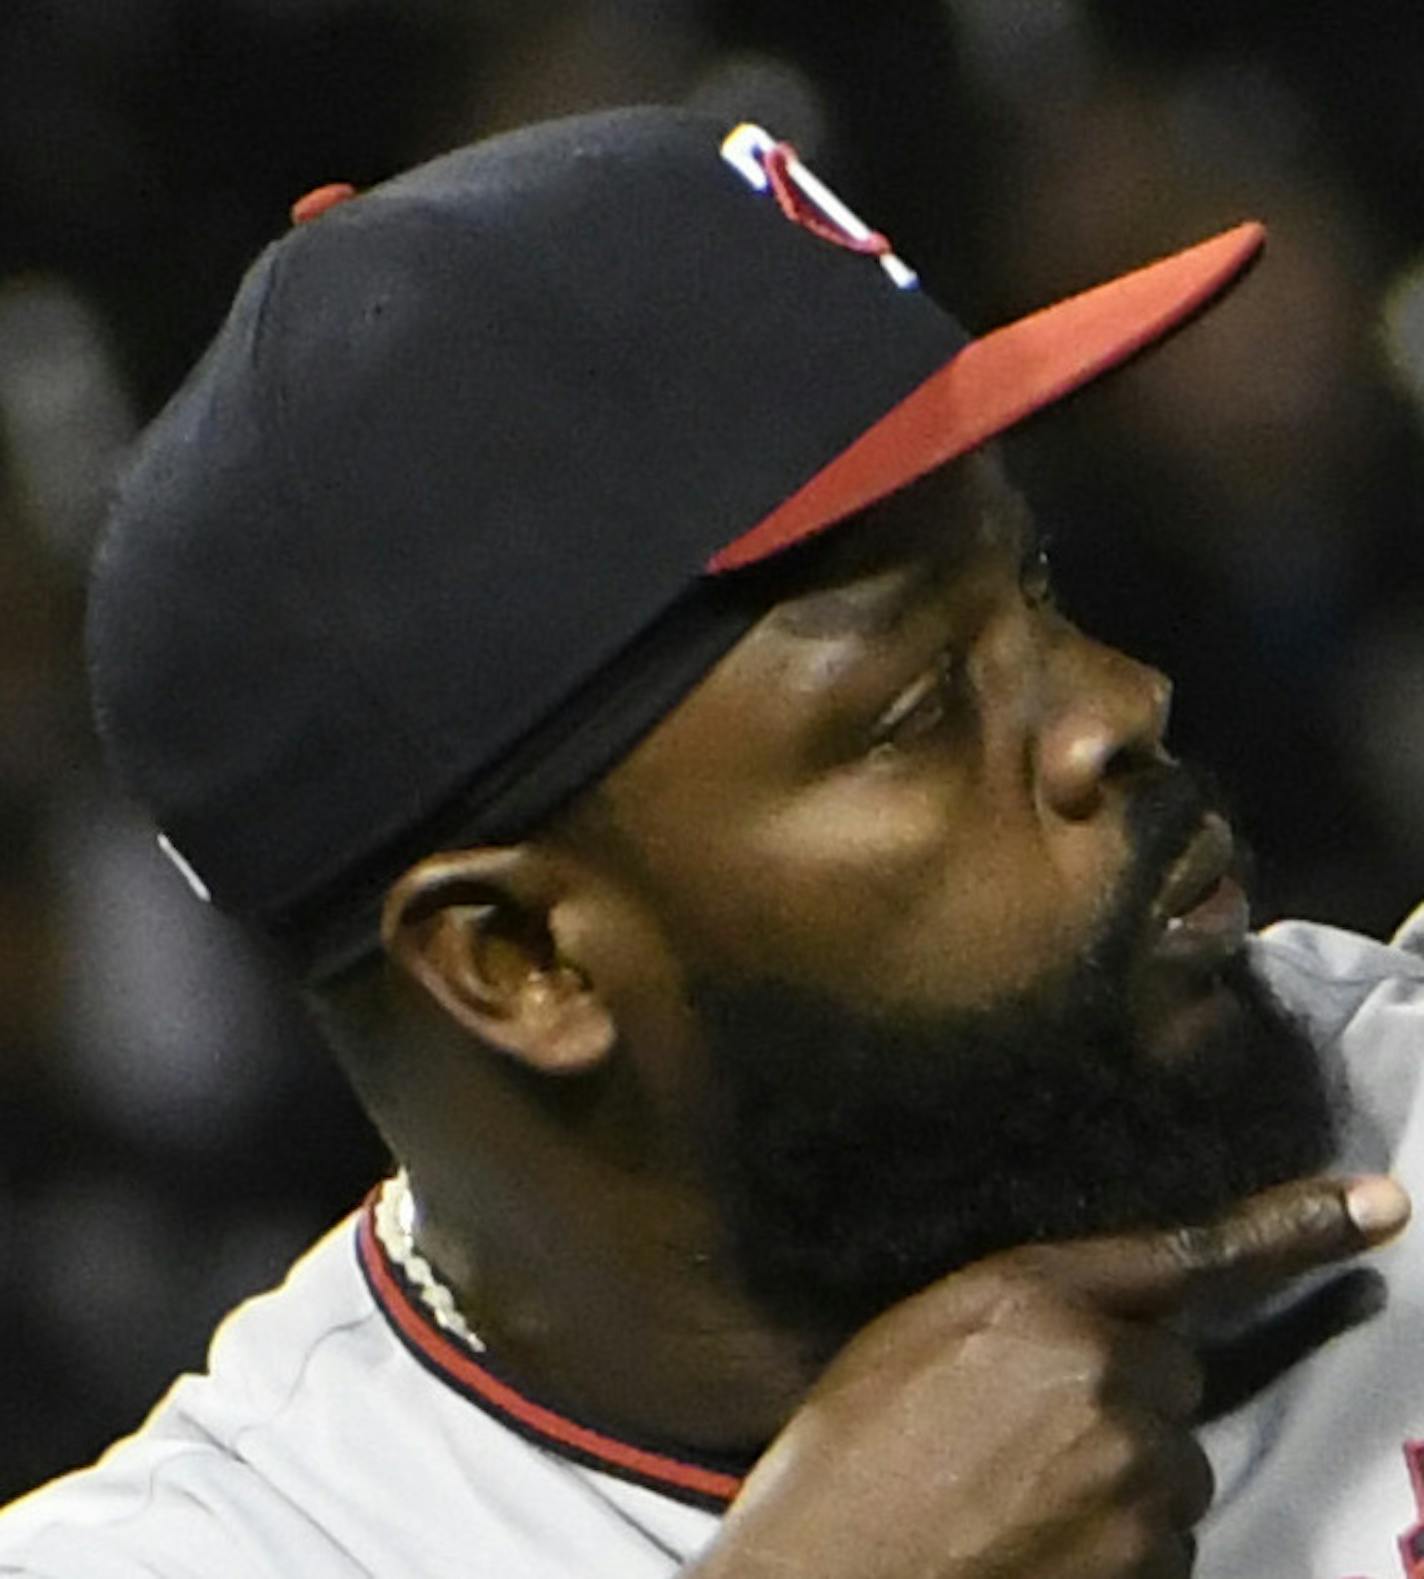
(1164, 815)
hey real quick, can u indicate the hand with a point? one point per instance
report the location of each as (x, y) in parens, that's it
(1028, 1415)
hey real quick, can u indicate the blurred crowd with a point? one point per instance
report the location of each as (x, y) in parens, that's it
(1240, 508)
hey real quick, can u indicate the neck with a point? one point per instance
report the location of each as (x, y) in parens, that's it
(630, 1318)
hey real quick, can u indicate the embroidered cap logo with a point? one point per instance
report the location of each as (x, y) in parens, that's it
(768, 165)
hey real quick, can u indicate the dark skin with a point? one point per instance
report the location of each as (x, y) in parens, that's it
(905, 787)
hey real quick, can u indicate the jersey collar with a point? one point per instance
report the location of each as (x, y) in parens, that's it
(691, 1479)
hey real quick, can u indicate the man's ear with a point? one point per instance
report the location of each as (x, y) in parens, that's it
(472, 929)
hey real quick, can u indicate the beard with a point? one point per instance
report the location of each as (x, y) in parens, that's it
(858, 1157)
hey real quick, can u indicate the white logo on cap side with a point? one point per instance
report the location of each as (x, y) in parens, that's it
(745, 149)
(185, 869)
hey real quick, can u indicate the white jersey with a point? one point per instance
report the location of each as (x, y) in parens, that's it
(1321, 1476)
(340, 1434)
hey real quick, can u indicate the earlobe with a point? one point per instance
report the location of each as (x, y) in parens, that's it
(471, 929)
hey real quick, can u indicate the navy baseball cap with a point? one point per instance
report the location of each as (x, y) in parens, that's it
(458, 503)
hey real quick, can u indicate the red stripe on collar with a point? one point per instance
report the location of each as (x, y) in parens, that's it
(454, 1364)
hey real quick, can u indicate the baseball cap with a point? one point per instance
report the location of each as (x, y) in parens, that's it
(462, 497)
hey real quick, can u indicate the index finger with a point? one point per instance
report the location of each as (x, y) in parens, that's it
(1262, 1243)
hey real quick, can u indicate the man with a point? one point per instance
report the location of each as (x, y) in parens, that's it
(572, 614)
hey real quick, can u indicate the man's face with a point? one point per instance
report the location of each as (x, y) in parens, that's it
(951, 925)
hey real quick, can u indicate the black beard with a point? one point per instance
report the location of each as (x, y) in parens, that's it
(859, 1157)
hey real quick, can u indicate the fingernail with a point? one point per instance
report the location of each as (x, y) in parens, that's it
(1377, 1206)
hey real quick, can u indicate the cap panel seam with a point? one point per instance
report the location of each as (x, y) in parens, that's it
(327, 619)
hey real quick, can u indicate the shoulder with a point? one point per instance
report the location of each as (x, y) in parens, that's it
(318, 1444)
(207, 1487)
(1330, 977)
(1362, 1002)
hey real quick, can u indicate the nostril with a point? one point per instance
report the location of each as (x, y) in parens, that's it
(1104, 718)
(1104, 733)
(1137, 753)
(1076, 756)
(1144, 706)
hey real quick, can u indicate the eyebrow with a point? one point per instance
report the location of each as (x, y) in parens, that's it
(872, 606)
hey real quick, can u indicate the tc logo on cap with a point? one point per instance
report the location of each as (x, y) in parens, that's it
(768, 165)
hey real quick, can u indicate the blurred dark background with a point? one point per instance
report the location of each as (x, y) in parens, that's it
(1241, 508)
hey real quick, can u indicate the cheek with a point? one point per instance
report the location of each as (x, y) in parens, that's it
(899, 894)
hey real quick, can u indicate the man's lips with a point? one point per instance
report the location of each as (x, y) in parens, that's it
(1201, 914)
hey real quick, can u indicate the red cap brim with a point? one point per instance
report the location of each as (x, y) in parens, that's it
(997, 381)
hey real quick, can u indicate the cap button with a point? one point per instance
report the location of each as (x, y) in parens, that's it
(319, 199)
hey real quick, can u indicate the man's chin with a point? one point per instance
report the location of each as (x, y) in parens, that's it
(1183, 1013)
(859, 1160)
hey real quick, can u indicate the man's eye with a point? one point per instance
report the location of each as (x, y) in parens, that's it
(922, 707)
(1036, 577)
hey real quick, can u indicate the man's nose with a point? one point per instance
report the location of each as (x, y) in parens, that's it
(1106, 719)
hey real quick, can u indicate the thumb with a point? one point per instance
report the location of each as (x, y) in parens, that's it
(1265, 1241)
